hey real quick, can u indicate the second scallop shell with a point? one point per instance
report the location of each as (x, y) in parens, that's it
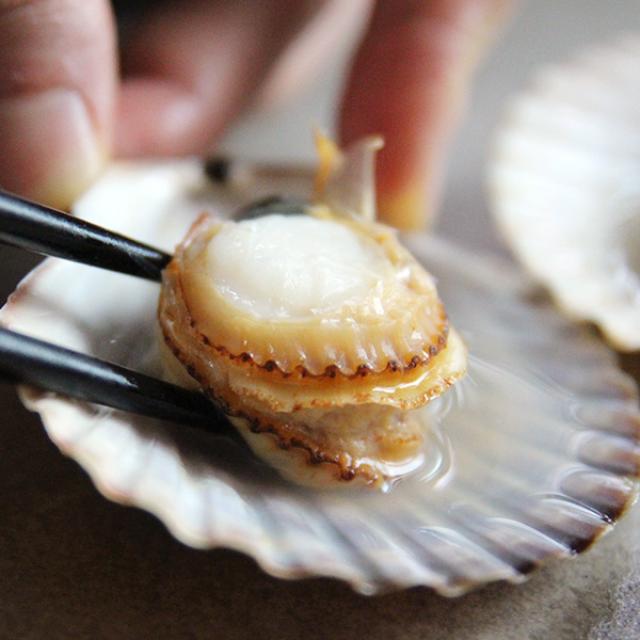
(565, 186)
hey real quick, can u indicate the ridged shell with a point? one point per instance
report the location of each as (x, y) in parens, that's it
(564, 186)
(532, 456)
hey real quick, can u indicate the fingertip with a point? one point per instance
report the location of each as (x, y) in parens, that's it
(57, 83)
(407, 208)
(409, 82)
(50, 150)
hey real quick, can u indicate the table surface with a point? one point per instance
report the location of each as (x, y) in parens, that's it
(73, 565)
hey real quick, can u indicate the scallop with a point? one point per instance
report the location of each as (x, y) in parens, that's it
(564, 186)
(532, 455)
(318, 333)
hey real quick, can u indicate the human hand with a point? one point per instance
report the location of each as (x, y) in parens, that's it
(190, 67)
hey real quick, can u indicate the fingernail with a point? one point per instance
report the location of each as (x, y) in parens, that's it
(408, 199)
(406, 209)
(49, 150)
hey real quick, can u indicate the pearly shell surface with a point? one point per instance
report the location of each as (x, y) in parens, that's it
(532, 456)
(565, 189)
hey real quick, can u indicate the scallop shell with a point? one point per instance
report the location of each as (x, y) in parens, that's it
(565, 186)
(532, 456)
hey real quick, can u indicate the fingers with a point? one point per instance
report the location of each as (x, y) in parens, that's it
(57, 84)
(190, 68)
(408, 83)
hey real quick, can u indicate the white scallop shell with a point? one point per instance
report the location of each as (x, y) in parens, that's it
(565, 186)
(533, 455)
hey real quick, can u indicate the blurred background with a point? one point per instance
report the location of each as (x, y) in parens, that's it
(56, 532)
(541, 32)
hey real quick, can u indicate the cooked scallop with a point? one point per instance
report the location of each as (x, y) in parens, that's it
(319, 334)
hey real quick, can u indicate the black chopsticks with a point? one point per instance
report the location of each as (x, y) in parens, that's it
(40, 229)
(26, 360)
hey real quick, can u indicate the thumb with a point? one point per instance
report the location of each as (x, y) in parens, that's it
(57, 85)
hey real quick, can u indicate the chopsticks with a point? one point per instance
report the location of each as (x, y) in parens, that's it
(40, 229)
(26, 360)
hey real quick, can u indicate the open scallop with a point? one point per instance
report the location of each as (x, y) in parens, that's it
(565, 186)
(533, 455)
